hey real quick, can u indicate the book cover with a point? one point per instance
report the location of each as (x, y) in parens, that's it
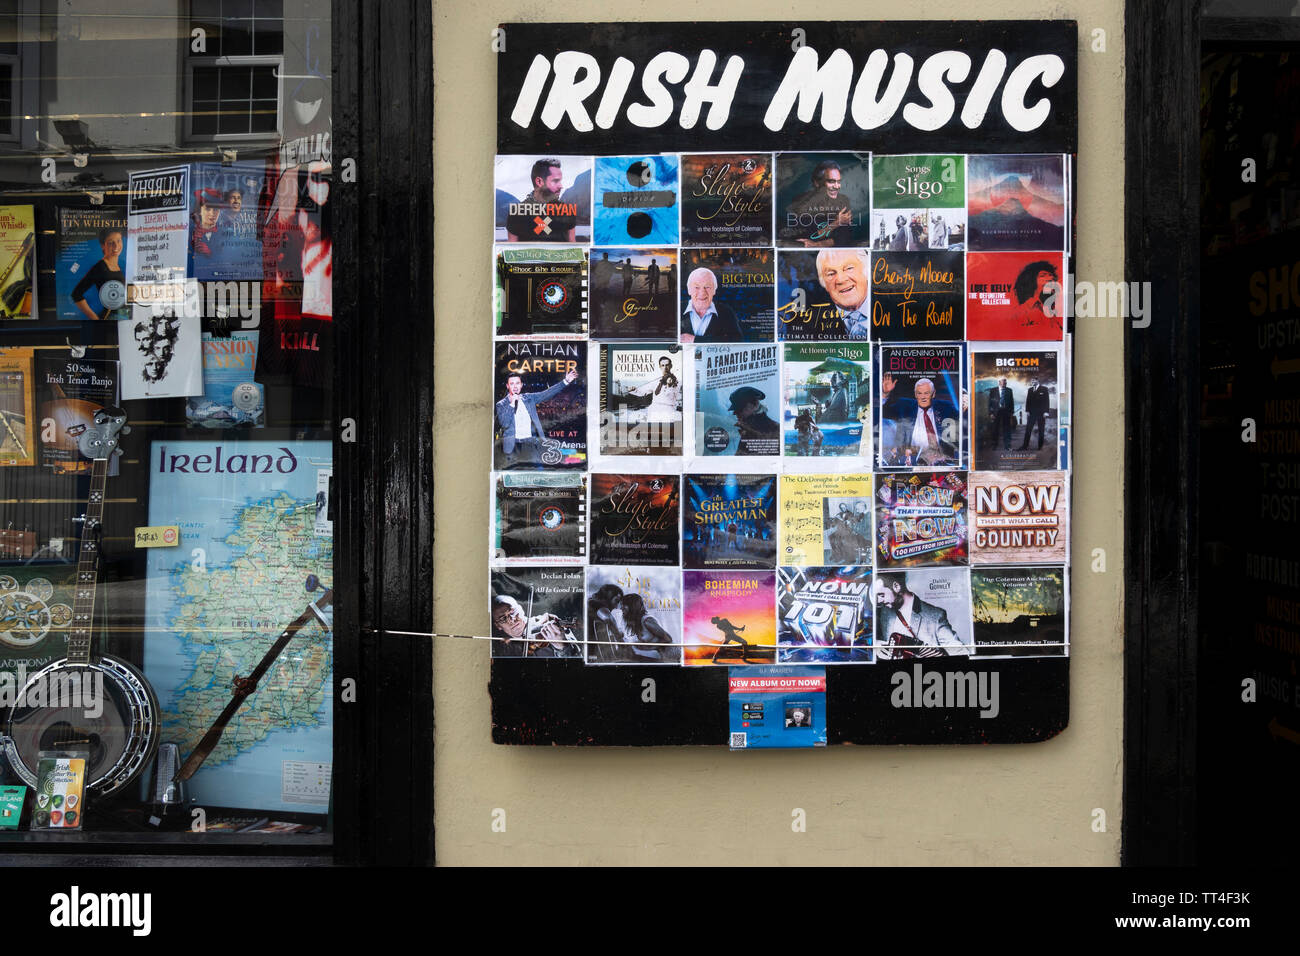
(1016, 409)
(68, 393)
(1018, 517)
(634, 615)
(918, 203)
(823, 199)
(727, 199)
(635, 200)
(225, 228)
(922, 406)
(90, 266)
(729, 521)
(1016, 202)
(17, 408)
(735, 387)
(823, 296)
(921, 520)
(539, 518)
(824, 615)
(825, 520)
(1013, 296)
(543, 199)
(17, 262)
(827, 407)
(635, 519)
(540, 416)
(537, 613)
(918, 296)
(728, 617)
(727, 295)
(641, 400)
(923, 613)
(231, 398)
(540, 291)
(633, 293)
(1019, 612)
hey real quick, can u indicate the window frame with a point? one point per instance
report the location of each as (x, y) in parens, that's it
(276, 62)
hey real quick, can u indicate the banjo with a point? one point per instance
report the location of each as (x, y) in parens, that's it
(87, 701)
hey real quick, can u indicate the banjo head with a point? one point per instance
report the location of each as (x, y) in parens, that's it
(112, 715)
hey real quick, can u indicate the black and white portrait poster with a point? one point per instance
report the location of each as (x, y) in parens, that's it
(161, 354)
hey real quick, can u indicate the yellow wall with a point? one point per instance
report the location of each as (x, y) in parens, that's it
(865, 805)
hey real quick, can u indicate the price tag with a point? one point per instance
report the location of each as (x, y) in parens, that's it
(158, 536)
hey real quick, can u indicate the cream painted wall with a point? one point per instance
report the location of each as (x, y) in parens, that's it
(879, 805)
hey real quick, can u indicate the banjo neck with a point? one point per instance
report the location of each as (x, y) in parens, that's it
(83, 606)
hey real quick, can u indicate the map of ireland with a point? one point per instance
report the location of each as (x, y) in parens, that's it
(251, 558)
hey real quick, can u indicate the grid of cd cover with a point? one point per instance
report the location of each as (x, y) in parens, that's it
(780, 408)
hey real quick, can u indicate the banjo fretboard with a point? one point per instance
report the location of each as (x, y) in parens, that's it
(83, 605)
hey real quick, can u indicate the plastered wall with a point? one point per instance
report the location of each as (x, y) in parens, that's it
(1034, 803)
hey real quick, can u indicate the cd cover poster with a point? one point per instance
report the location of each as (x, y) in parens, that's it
(728, 617)
(923, 613)
(635, 519)
(634, 615)
(918, 203)
(539, 518)
(540, 415)
(537, 612)
(922, 403)
(823, 199)
(1016, 203)
(921, 520)
(736, 389)
(636, 200)
(827, 409)
(543, 199)
(1018, 517)
(727, 295)
(824, 615)
(1013, 296)
(641, 400)
(729, 521)
(633, 293)
(727, 199)
(825, 520)
(90, 267)
(1016, 409)
(918, 296)
(823, 296)
(540, 291)
(1019, 612)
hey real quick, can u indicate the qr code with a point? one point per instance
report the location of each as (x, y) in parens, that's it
(739, 741)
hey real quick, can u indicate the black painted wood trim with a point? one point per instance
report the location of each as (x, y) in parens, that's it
(1162, 45)
(383, 293)
(1257, 31)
